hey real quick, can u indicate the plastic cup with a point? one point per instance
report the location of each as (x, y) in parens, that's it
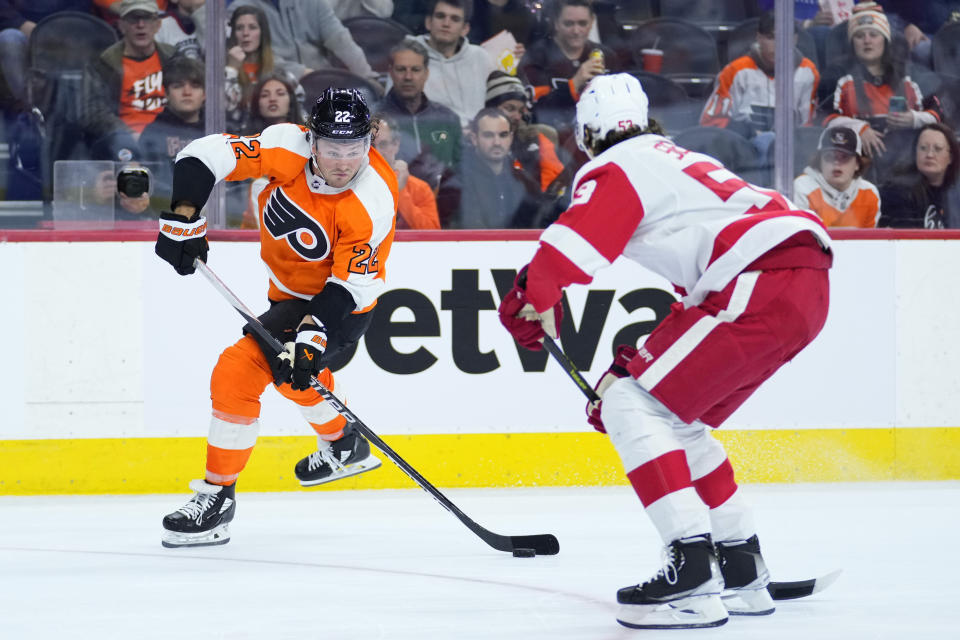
(652, 60)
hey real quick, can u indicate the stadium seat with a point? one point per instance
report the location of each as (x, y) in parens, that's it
(376, 36)
(689, 52)
(669, 103)
(712, 14)
(316, 82)
(735, 152)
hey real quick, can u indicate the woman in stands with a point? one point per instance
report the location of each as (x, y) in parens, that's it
(877, 97)
(250, 59)
(832, 186)
(273, 101)
(925, 195)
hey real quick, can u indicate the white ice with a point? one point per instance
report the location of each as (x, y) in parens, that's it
(394, 564)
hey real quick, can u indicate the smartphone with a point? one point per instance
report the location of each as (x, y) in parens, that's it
(898, 104)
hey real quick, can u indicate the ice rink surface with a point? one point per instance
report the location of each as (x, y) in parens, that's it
(394, 564)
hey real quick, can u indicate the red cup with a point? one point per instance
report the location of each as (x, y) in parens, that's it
(652, 60)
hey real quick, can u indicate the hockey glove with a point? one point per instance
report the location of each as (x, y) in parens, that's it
(308, 353)
(524, 323)
(181, 241)
(625, 353)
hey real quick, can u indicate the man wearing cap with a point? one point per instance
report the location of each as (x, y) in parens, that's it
(748, 82)
(124, 89)
(533, 152)
(832, 185)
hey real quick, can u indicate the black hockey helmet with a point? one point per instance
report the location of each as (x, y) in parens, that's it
(340, 114)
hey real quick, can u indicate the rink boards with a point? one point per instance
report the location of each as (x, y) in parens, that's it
(105, 382)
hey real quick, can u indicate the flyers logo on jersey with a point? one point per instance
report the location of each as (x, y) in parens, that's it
(284, 219)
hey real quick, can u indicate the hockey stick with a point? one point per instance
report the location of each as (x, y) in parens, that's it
(543, 544)
(778, 590)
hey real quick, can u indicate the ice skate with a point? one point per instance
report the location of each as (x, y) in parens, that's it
(341, 458)
(745, 578)
(684, 594)
(202, 521)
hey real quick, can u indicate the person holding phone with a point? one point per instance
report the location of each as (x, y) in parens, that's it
(877, 96)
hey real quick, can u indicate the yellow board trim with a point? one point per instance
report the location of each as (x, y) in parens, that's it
(166, 465)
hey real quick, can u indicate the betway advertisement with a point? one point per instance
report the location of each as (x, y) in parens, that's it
(437, 360)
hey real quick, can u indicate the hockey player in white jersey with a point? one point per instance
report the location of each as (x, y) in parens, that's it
(752, 272)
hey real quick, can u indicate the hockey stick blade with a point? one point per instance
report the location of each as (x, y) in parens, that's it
(802, 588)
(545, 544)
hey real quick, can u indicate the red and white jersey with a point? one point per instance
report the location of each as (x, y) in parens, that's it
(310, 233)
(676, 212)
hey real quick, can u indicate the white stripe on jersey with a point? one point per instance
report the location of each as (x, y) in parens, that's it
(575, 248)
(233, 436)
(693, 336)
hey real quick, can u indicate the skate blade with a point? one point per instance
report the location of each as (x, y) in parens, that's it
(688, 613)
(369, 463)
(748, 602)
(177, 539)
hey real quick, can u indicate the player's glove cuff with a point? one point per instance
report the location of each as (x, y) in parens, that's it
(182, 240)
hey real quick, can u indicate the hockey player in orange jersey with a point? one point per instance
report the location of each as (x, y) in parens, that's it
(327, 221)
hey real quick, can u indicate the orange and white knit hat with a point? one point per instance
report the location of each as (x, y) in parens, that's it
(868, 15)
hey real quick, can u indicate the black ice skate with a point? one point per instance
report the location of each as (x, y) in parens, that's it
(745, 578)
(685, 593)
(202, 521)
(341, 458)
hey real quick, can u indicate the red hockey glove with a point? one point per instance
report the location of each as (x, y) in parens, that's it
(523, 322)
(625, 353)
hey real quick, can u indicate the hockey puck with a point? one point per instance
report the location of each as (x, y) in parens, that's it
(524, 553)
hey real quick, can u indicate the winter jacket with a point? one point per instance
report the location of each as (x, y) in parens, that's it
(429, 138)
(307, 33)
(477, 198)
(744, 83)
(460, 81)
(910, 202)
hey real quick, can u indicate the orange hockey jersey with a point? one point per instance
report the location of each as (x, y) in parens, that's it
(310, 233)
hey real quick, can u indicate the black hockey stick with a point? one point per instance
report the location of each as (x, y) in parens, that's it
(778, 590)
(544, 544)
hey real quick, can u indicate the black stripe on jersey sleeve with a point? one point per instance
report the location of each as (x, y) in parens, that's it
(192, 183)
(331, 305)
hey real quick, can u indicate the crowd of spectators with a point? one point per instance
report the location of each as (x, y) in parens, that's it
(484, 140)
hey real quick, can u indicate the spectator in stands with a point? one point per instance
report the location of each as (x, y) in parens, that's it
(180, 122)
(182, 27)
(273, 101)
(417, 206)
(458, 69)
(250, 58)
(125, 84)
(109, 10)
(488, 192)
(832, 186)
(17, 21)
(924, 195)
(744, 93)
(533, 151)
(303, 32)
(356, 8)
(430, 133)
(560, 66)
(864, 99)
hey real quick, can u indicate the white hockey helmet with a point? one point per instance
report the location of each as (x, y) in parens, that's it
(609, 103)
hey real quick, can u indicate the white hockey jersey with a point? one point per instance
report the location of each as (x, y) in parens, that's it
(678, 213)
